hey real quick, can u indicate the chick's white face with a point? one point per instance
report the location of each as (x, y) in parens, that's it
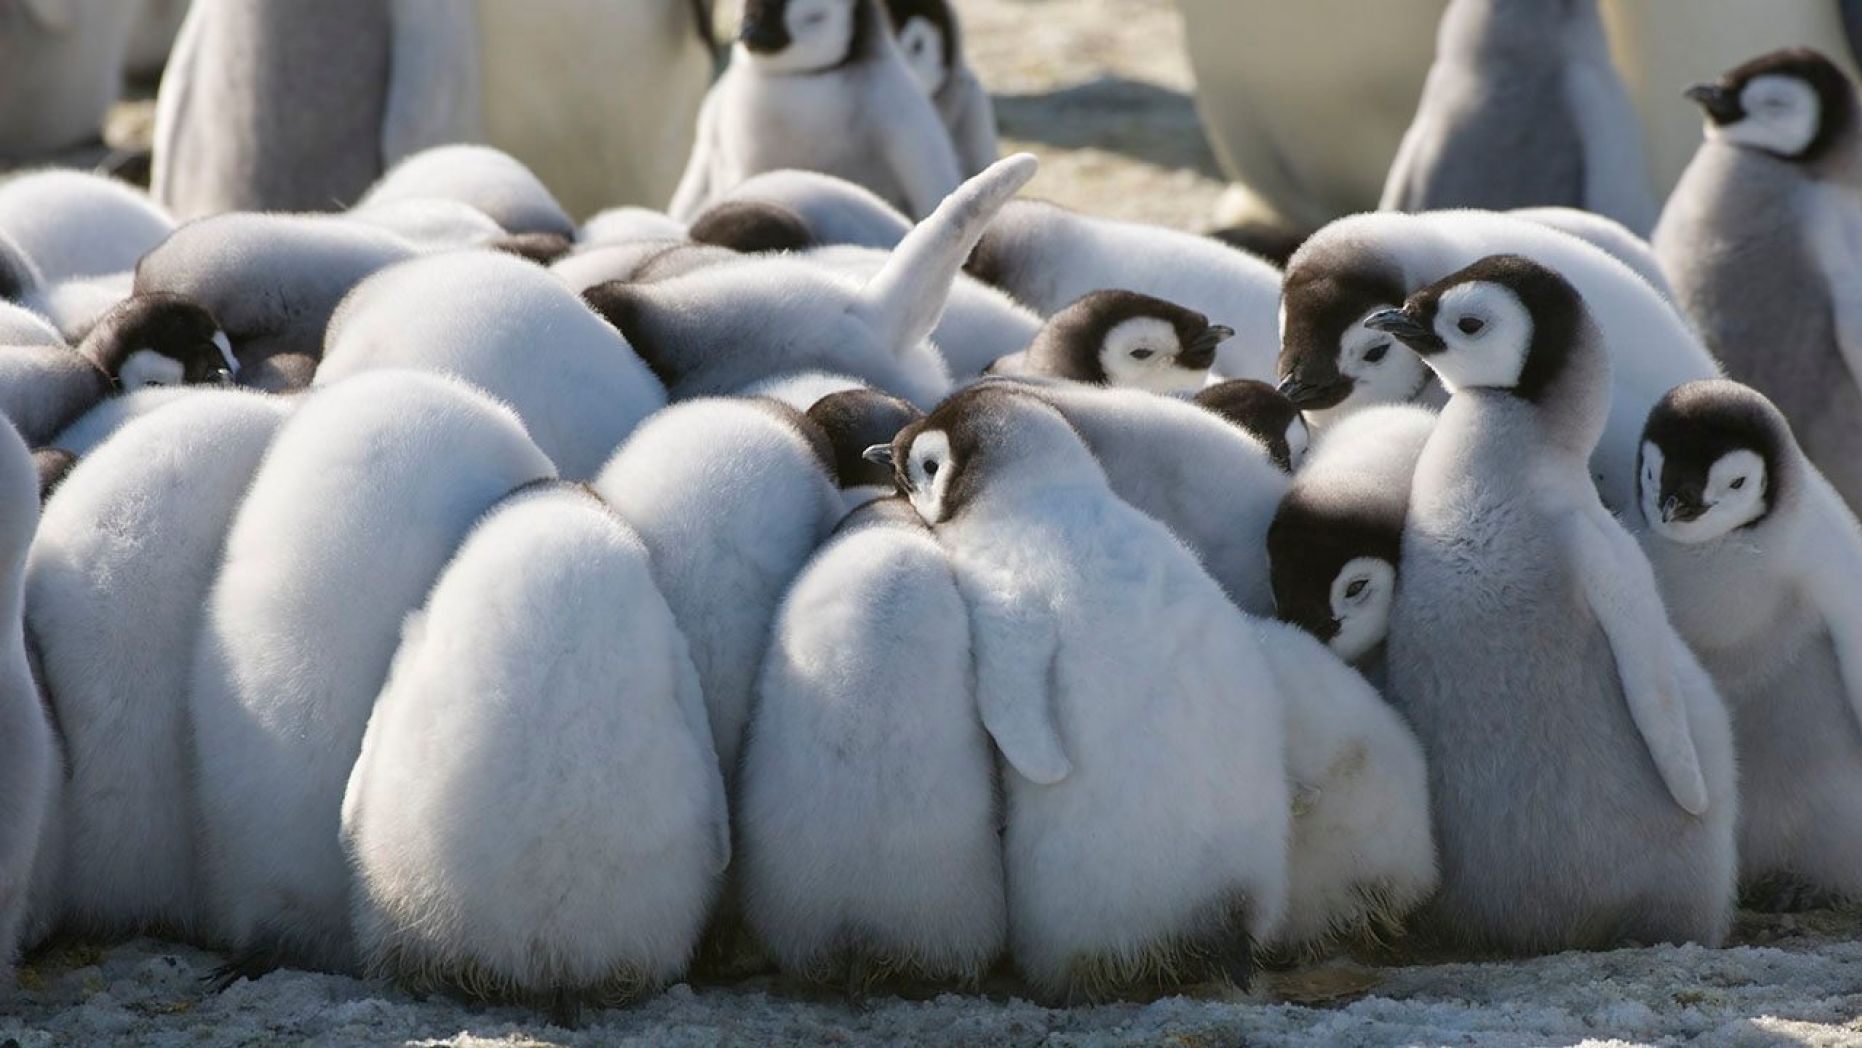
(146, 367)
(1362, 595)
(1732, 496)
(1299, 439)
(1782, 113)
(820, 34)
(923, 45)
(1486, 332)
(1141, 353)
(1381, 369)
(928, 467)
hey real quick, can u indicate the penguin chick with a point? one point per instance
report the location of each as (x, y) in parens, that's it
(1122, 338)
(731, 497)
(932, 42)
(819, 84)
(1107, 890)
(1264, 413)
(751, 227)
(1523, 107)
(74, 224)
(1758, 559)
(272, 281)
(1337, 537)
(867, 810)
(1048, 257)
(544, 644)
(722, 329)
(30, 772)
(834, 210)
(511, 329)
(490, 180)
(1759, 240)
(1361, 855)
(1581, 770)
(857, 419)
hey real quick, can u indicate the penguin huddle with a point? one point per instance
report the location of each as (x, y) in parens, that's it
(876, 574)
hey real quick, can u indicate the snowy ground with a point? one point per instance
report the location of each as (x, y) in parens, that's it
(1100, 90)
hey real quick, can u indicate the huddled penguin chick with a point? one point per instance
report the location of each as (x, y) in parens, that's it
(1108, 890)
(819, 84)
(1759, 559)
(751, 227)
(726, 328)
(365, 493)
(545, 644)
(1214, 486)
(1759, 238)
(1361, 855)
(867, 811)
(932, 42)
(1606, 235)
(511, 329)
(489, 180)
(1122, 338)
(980, 323)
(1581, 763)
(625, 225)
(125, 556)
(272, 280)
(431, 224)
(1332, 363)
(1523, 107)
(855, 420)
(1337, 537)
(144, 342)
(834, 210)
(1264, 413)
(30, 771)
(731, 496)
(74, 224)
(1048, 257)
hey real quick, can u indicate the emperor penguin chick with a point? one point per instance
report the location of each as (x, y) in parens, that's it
(1264, 413)
(1361, 855)
(364, 495)
(1337, 538)
(731, 497)
(1581, 763)
(511, 329)
(1122, 338)
(125, 557)
(834, 210)
(1108, 890)
(30, 772)
(545, 644)
(1760, 239)
(819, 84)
(932, 42)
(867, 810)
(1759, 561)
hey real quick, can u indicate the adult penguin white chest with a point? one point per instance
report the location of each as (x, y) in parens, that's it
(30, 772)
(272, 281)
(1123, 339)
(1758, 560)
(724, 328)
(1523, 107)
(513, 330)
(819, 84)
(73, 224)
(1107, 889)
(867, 811)
(545, 644)
(362, 498)
(731, 496)
(931, 40)
(1336, 541)
(1331, 363)
(1762, 238)
(124, 558)
(1048, 257)
(1214, 486)
(1581, 766)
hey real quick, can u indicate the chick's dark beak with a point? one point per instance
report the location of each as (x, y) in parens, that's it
(763, 33)
(1199, 354)
(1682, 507)
(1720, 103)
(1314, 396)
(1406, 328)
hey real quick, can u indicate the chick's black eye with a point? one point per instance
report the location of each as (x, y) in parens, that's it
(1470, 325)
(930, 468)
(1739, 483)
(1356, 587)
(1376, 352)
(1142, 354)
